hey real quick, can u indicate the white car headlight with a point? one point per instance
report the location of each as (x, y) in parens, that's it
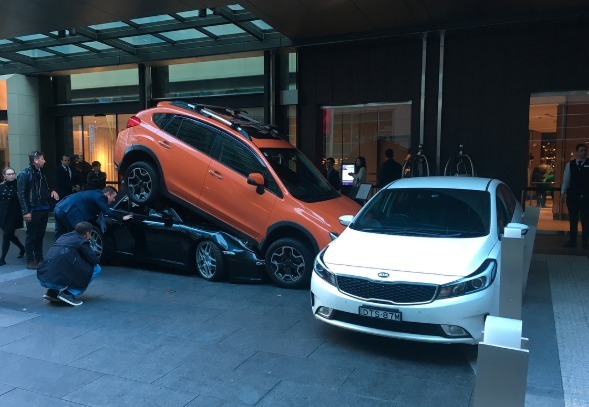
(321, 269)
(477, 281)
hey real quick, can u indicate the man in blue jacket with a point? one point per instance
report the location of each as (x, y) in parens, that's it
(83, 207)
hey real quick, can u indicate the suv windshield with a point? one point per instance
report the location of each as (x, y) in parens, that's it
(298, 175)
(426, 212)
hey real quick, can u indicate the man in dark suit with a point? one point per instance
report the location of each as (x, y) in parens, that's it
(390, 170)
(83, 207)
(332, 175)
(64, 178)
(575, 187)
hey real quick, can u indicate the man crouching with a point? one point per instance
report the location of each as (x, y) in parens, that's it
(69, 266)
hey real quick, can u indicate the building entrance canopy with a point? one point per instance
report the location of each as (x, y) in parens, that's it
(58, 35)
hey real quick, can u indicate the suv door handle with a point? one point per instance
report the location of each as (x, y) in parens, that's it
(215, 174)
(164, 144)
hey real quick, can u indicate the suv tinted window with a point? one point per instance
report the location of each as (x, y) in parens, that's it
(197, 135)
(239, 158)
(160, 119)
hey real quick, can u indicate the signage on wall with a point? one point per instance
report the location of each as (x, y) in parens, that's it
(92, 137)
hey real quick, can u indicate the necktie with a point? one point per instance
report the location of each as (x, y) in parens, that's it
(580, 165)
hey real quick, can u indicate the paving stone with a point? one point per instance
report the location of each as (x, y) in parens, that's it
(20, 398)
(109, 391)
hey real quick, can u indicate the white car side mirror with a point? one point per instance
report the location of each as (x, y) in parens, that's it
(346, 219)
(523, 229)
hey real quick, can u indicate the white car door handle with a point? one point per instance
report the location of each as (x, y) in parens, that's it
(215, 174)
(164, 144)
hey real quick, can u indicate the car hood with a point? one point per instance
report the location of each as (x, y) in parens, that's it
(328, 212)
(406, 258)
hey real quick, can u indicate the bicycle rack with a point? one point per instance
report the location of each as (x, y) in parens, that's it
(416, 166)
(460, 165)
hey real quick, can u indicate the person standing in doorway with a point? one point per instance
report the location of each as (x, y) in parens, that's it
(10, 214)
(331, 174)
(65, 178)
(538, 180)
(34, 195)
(96, 178)
(575, 185)
(390, 170)
(81, 169)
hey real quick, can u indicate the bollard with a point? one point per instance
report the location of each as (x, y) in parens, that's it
(502, 364)
(530, 219)
(511, 279)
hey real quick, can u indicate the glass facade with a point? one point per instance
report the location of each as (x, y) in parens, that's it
(220, 77)
(102, 87)
(94, 138)
(557, 123)
(368, 131)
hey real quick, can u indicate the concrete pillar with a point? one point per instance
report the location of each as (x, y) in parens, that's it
(531, 216)
(24, 134)
(511, 279)
(502, 364)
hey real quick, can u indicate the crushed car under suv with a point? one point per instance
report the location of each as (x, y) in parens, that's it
(238, 174)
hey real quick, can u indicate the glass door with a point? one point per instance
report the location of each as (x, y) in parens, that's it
(557, 123)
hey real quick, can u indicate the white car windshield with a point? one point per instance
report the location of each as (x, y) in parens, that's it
(426, 212)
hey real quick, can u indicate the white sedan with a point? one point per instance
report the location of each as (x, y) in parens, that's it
(420, 261)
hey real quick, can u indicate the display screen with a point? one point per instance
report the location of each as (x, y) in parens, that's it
(346, 169)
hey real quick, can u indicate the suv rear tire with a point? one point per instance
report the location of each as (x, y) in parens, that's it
(289, 263)
(142, 183)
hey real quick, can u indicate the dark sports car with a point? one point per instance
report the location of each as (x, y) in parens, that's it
(173, 237)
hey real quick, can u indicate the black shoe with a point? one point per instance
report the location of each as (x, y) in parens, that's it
(51, 295)
(585, 245)
(32, 265)
(2, 262)
(68, 298)
(570, 244)
(21, 254)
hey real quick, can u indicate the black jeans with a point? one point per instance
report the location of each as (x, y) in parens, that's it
(578, 207)
(62, 225)
(7, 237)
(35, 234)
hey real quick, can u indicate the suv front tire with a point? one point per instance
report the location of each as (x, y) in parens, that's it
(142, 182)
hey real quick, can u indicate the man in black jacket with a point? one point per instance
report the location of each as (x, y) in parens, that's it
(575, 186)
(332, 175)
(69, 266)
(34, 195)
(390, 170)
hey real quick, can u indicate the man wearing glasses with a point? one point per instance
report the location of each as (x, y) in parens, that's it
(34, 195)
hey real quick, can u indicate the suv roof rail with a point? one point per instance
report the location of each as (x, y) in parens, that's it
(213, 111)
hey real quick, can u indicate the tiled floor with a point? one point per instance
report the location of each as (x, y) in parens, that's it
(147, 337)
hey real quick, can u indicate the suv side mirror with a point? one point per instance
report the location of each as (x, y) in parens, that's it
(257, 179)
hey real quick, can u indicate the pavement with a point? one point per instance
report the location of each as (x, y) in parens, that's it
(153, 337)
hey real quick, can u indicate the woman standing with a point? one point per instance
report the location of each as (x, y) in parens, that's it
(359, 176)
(10, 214)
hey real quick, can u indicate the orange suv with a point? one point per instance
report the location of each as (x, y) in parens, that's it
(238, 174)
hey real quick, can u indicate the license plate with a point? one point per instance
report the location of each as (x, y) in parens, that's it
(379, 313)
